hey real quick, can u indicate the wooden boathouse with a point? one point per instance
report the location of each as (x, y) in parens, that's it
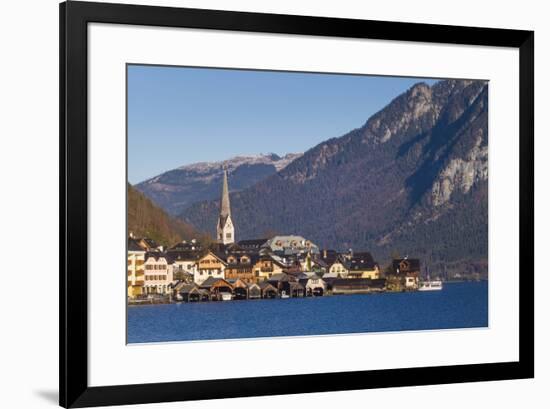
(358, 285)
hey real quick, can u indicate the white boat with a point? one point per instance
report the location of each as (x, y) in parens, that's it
(284, 294)
(431, 285)
(226, 296)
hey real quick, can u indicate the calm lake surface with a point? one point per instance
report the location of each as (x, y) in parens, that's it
(458, 305)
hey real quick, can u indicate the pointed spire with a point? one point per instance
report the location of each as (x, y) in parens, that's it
(225, 208)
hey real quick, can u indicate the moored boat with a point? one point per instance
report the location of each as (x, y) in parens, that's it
(431, 285)
(226, 296)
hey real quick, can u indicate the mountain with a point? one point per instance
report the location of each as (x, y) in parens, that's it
(178, 188)
(411, 180)
(145, 219)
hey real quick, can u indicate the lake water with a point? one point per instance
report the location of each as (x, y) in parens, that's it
(458, 305)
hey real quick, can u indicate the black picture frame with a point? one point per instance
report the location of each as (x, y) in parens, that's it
(73, 350)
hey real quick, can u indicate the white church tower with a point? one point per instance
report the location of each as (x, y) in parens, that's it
(225, 230)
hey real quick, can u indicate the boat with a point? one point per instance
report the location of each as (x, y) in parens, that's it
(226, 296)
(431, 285)
(284, 294)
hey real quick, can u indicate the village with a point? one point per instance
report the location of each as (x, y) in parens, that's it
(282, 266)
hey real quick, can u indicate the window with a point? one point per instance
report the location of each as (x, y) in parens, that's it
(228, 235)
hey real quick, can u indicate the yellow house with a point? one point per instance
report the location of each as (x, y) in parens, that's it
(209, 265)
(363, 269)
(338, 269)
(136, 269)
(266, 267)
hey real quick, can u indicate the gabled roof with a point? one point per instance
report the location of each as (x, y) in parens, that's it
(210, 281)
(265, 284)
(363, 255)
(154, 254)
(133, 245)
(282, 277)
(252, 243)
(220, 256)
(361, 263)
(405, 265)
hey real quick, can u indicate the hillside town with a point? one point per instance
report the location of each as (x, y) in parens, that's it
(282, 266)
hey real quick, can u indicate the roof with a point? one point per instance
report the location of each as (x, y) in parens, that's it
(154, 254)
(237, 282)
(331, 275)
(328, 256)
(282, 243)
(364, 255)
(253, 260)
(150, 242)
(220, 256)
(281, 277)
(192, 245)
(252, 243)
(359, 283)
(210, 281)
(133, 245)
(361, 263)
(405, 265)
(187, 288)
(264, 284)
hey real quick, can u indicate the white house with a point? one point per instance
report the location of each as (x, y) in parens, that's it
(158, 276)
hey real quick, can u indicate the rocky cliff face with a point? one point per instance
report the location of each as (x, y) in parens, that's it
(412, 179)
(176, 189)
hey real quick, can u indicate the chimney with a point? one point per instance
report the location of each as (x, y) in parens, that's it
(325, 253)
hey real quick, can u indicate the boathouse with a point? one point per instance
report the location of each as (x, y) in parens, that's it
(358, 285)
(315, 286)
(268, 290)
(240, 289)
(217, 287)
(254, 291)
(188, 292)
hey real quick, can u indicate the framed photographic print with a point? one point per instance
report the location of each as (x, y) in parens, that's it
(257, 204)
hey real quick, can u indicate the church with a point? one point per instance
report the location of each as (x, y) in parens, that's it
(225, 230)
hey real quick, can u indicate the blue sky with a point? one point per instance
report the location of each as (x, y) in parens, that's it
(179, 115)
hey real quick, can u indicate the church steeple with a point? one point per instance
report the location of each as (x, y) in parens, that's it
(225, 208)
(225, 229)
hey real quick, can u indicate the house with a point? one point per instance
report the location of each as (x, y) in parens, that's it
(241, 266)
(338, 268)
(209, 265)
(315, 286)
(407, 272)
(136, 269)
(158, 276)
(266, 266)
(183, 263)
(358, 285)
(362, 265)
